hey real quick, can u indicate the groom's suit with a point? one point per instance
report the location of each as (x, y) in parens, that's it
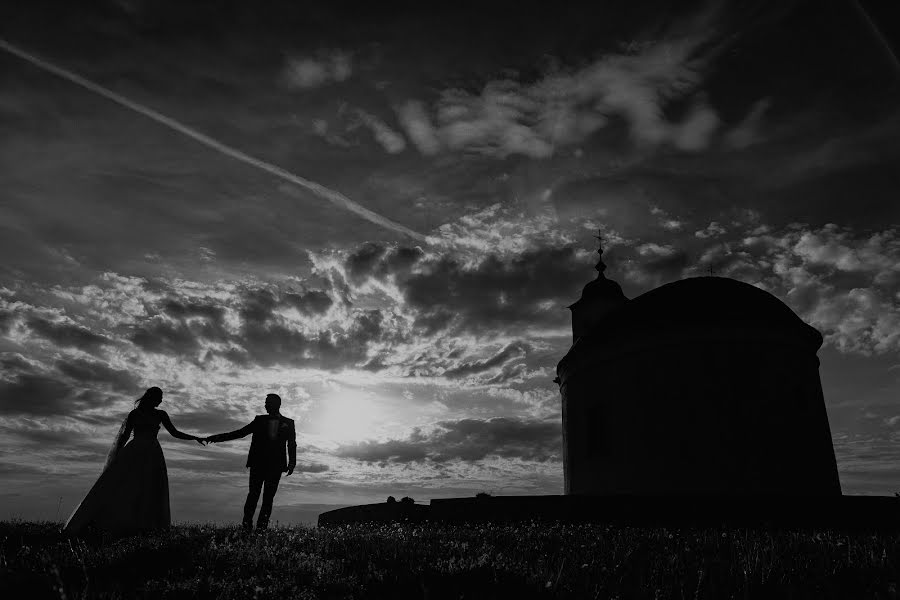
(273, 450)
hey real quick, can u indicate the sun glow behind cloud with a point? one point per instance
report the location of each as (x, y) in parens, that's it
(347, 415)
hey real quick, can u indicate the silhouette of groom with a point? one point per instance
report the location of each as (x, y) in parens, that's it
(272, 433)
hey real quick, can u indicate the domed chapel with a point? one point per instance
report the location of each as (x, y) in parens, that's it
(702, 386)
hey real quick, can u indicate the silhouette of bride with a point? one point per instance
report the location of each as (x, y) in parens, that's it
(132, 492)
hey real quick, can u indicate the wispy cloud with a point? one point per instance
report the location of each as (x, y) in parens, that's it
(565, 108)
(66, 333)
(466, 440)
(309, 72)
(837, 280)
(749, 130)
(387, 138)
(418, 126)
(714, 229)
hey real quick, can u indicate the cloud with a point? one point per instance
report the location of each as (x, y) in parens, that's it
(655, 264)
(867, 463)
(361, 263)
(466, 440)
(841, 283)
(510, 352)
(474, 278)
(7, 318)
(90, 373)
(672, 224)
(565, 108)
(859, 320)
(418, 126)
(835, 248)
(181, 326)
(497, 122)
(53, 446)
(390, 140)
(714, 229)
(247, 325)
(834, 151)
(187, 308)
(487, 272)
(111, 298)
(257, 305)
(311, 72)
(162, 336)
(539, 402)
(696, 131)
(321, 128)
(395, 451)
(465, 361)
(651, 249)
(311, 467)
(747, 132)
(665, 220)
(497, 293)
(66, 333)
(312, 302)
(267, 339)
(372, 260)
(37, 394)
(15, 362)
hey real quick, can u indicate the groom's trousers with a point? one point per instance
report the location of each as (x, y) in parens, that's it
(263, 479)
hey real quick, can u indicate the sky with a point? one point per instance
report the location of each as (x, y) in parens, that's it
(414, 337)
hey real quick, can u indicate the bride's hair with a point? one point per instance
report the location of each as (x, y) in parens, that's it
(150, 395)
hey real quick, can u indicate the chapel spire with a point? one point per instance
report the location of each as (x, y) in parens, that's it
(598, 298)
(600, 267)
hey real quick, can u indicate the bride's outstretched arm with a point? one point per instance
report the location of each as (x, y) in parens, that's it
(167, 423)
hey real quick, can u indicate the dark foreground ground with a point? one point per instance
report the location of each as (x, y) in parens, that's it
(425, 560)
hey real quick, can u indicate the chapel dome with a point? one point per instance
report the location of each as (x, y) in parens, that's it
(601, 287)
(712, 302)
(698, 309)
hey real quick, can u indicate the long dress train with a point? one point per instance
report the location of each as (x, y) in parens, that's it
(132, 494)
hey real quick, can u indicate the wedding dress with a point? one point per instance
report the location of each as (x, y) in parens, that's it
(132, 492)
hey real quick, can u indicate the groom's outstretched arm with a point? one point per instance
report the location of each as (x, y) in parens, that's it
(232, 435)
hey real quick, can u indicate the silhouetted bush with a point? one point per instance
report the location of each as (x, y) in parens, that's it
(407, 500)
(391, 500)
(482, 495)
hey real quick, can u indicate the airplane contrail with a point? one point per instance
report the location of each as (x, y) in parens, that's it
(332, 196)
(882, 40)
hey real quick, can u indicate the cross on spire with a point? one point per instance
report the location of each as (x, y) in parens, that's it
(600, 266)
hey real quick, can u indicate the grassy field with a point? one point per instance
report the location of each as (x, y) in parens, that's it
(440, 561)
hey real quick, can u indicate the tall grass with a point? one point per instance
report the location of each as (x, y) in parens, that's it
(532, 560)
